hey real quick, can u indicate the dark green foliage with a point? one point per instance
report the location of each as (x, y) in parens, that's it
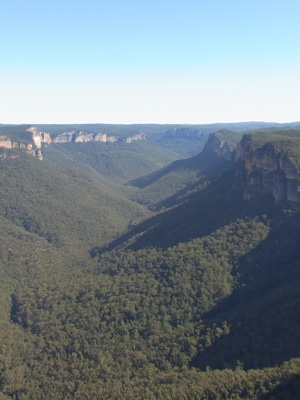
(17, 133)
(63, 208)
(230, 137)
(172, 184)
(261, 307)
(186, 141)
(131, 313)
(138, 318)
(119, 161)
(284, 141)
(199, 301)
(204, 212)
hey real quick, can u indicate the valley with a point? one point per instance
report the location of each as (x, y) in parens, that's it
(150, 261)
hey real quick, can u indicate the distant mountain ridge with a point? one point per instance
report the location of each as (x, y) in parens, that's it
(81, 136)
(38, 137)
(184, 139)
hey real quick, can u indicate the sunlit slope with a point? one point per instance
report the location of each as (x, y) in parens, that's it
(172, 184)
(120, 161)
(63, 205)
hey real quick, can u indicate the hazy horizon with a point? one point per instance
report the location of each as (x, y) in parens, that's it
(151, 123)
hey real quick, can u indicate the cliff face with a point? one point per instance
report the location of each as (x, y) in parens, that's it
(30, 148)
(81, 136)
(218, 147)
(39, 137)
(267, 170)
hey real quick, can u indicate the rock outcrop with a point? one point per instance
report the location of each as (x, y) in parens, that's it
(81, 136)
(39, 137)
(6, 143)
(218, 147)
(267, 170)
(138, 136)
(64, 137)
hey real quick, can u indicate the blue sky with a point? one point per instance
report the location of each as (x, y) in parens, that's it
(149, 61)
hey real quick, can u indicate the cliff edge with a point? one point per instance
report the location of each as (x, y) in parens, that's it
(269, 164)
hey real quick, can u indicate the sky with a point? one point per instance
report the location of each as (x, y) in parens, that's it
(158, 61)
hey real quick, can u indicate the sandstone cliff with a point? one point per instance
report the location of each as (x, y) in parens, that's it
(268, 168)
(81, 136)
(218, 147)
(38, 137)
(30, 148)
(223, 143)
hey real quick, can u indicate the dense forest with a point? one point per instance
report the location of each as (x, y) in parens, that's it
(135, 271)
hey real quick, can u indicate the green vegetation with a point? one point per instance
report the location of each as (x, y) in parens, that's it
(110, 129)
(70, 206)
(172, 184)
(17, 133)
(285, 141)
(198, 301)
(153, 130)
(230, 137)
(119, 161)
(186, 140)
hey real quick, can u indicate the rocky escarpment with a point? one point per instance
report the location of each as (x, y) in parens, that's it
(218, 147)
(81, 136)
(267, 170)
(30, 148)
(33, 147)
(38, 138)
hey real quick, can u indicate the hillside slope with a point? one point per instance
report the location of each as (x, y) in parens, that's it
(65, 206)
(212, 282)
(174, 183)
(119, 162)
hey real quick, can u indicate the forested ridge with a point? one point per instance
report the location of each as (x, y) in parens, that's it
(102, 298)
